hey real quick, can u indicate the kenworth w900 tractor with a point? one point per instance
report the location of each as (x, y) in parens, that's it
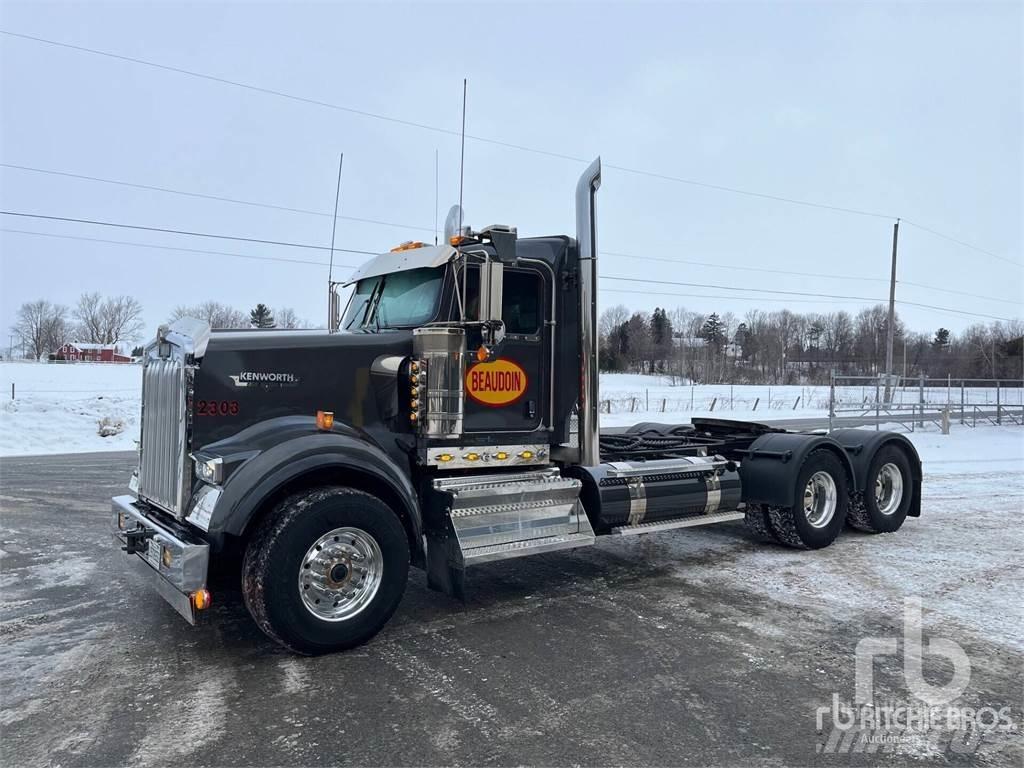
(447, 420)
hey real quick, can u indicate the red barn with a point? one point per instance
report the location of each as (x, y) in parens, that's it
(91, 353)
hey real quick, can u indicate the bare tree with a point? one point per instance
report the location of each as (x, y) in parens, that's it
(122, 320)
(286, 318)
(41, 327)
(214, 313)
(88, 314)
(113, 320)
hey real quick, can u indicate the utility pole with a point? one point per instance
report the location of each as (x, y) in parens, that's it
(892, 311)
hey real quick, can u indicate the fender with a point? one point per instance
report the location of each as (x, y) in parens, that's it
(861, 445)
(770, 467)
(270, 455)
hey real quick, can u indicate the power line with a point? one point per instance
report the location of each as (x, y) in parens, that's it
(171, 248)
(743, 268)
(371, 253)
(943, 310)
(802, 293)
(732, 288)
(963, 243)
(202, 196)
(495, 142)
(182, 232)
(711, 265)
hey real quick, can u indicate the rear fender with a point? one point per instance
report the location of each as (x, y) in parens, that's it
(773, 461)
(861, 445)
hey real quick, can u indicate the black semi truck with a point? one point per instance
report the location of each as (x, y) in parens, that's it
(448, 419)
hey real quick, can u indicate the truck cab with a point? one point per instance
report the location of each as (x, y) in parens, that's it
(447, 419)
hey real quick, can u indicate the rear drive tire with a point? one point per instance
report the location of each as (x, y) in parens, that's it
(888, 491)
(325, 570)
(822, 498)
(756, 519)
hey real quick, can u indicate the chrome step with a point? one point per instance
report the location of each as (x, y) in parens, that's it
(685, 522)
(498, 516)
(488, 554)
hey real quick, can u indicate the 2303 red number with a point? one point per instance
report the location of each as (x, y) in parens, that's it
(216, 407)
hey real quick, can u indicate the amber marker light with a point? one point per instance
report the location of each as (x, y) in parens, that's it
(325, 420)
(201, 599)
(482, 353)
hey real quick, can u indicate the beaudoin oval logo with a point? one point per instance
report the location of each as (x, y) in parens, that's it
(498, 383)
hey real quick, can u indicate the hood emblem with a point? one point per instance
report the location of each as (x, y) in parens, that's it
(264, 379)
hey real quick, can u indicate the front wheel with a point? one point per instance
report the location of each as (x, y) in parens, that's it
(325, 570)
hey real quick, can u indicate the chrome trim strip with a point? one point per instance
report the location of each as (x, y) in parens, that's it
(681, 465)
(488, 456)
(686, 522)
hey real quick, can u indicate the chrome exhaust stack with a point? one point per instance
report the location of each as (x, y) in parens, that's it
(586, 241)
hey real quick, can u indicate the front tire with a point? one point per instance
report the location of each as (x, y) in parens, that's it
(325, 570)
(821, 500)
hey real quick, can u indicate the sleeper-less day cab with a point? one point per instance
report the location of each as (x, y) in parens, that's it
(449, 419)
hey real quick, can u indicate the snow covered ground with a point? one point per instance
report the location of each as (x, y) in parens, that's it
(57, 408)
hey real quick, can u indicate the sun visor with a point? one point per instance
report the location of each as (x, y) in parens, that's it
(400, 261)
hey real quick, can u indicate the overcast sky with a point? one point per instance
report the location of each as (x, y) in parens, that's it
(911, 110)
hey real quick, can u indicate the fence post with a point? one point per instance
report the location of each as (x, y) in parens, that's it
(647, 399)
(945, 420)
(712, 409)
(756, 401)
(999, 410)
(664, 401)
(963, 403)
(796, 403)
(12, 390)
(731, 406)
(832, 394)
(920, 398)
(632, 407)
(878, 405)
(691, 395)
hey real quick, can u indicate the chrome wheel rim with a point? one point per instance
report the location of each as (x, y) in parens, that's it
(820, 499)
(340, 574)
(888, 489)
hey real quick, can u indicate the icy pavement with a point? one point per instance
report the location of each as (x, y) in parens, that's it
(698, 646)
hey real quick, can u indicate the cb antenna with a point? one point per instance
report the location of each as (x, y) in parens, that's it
(462, 152)
(331, 296)
(334, 221)
(435, 195)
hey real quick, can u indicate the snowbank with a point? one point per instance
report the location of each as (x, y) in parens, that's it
(59, 408)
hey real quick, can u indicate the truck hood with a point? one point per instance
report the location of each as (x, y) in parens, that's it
(248, 377)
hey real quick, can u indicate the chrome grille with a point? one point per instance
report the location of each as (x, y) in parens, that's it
(163, 469)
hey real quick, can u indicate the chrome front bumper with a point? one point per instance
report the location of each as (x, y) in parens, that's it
(179, 559)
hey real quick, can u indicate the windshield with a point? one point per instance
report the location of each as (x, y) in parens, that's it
(396, 300)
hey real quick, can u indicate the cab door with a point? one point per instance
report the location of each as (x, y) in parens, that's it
(508, 394)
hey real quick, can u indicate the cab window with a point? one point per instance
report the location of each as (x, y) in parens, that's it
(520, 305)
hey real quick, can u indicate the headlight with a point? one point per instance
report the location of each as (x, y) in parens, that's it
(210, 470)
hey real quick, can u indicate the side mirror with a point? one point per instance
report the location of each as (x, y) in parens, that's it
(492, 279)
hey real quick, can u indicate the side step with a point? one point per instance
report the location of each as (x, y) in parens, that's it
(501, 516)
(685, 522)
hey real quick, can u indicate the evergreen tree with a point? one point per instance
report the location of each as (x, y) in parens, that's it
(941, 340)
(261, 317)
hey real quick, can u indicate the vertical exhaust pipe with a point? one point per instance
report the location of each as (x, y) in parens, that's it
(586, 241)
